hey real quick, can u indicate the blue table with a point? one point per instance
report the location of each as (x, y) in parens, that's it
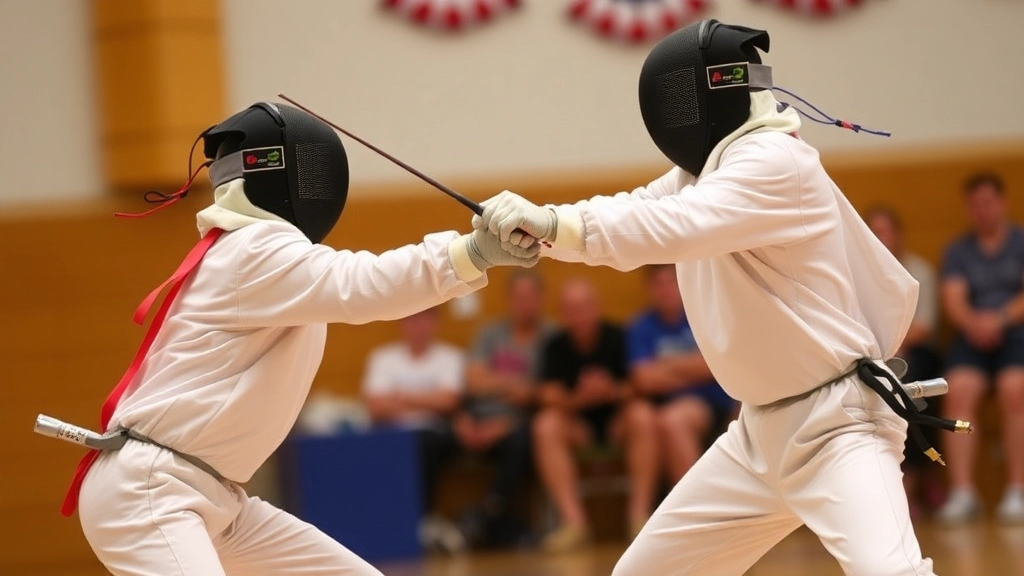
(362, 489)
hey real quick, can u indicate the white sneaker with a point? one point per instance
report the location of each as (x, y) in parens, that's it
(439, 534)
(1011, 507)
(961, 506)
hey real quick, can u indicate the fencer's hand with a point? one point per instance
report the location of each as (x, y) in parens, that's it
(508, 215)
(486, 250)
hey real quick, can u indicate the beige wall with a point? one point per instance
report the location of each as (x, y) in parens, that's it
(528, 94)
(48, 146)
(534, 92)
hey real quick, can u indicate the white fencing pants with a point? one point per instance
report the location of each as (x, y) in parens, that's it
(830, 460)
(145, 511)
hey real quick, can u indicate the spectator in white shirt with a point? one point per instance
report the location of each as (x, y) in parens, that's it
(417, 383)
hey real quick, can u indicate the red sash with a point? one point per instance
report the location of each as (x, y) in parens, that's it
(175, 282)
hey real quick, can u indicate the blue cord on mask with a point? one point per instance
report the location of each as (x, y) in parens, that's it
(828, 119)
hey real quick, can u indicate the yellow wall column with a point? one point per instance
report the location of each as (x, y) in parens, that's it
(160, 77)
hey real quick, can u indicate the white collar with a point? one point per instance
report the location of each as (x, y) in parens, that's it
(232, 210)
(766, 115)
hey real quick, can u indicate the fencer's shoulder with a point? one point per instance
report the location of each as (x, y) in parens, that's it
(269, 246)
(268, 236)
(766, 153)
(268, 231)
(768, 144)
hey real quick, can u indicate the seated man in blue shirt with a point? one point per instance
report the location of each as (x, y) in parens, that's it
(983, 295)
(666, 366)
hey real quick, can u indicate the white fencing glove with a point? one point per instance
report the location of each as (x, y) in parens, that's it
(508, 215)
(472, 254)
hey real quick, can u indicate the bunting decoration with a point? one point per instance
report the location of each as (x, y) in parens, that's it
(819, 8)
(635, 20)
(450, 15)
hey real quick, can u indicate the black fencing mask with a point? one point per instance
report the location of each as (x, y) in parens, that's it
(294, 165)
(695, 88)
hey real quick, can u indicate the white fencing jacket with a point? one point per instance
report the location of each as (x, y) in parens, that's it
(784, 285)
(234, 361)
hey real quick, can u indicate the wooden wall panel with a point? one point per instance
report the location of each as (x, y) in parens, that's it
(71, 279)
(160, 81)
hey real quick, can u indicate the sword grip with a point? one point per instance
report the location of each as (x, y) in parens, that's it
(54, 428)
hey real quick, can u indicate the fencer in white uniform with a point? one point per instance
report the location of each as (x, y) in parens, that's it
(230, 368)
(786, 290)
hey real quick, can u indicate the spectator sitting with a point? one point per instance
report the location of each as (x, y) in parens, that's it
(667, 367)
(416, 383)
(918, 347)
(584, 400)
(983, 294)
(500, 382)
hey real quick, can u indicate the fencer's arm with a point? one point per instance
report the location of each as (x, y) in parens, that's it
(665, 185)
(753, 200)
(282, 280)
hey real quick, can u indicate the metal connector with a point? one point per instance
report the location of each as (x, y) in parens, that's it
(963, 427)
(935, 456)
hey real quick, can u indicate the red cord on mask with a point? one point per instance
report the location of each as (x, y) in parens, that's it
(164, 200)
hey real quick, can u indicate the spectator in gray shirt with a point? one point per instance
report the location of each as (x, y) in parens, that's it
(983, 295)
(500, 389)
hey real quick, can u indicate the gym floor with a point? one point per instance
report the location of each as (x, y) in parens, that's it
(982, 549)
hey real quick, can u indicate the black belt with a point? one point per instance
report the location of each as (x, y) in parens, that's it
(888, 387)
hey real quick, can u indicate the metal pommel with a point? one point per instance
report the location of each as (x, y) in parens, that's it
(53, 428)
(926, 388)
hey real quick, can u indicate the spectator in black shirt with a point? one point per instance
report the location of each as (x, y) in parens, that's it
(584, 400)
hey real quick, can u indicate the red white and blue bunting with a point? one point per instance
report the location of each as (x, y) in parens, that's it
(817, 7)
(635, 20)
(451, 15)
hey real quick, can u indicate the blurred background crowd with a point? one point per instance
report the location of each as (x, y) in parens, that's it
(547, 400)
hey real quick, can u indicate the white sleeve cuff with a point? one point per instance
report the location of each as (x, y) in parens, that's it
(458, 255)
(570, 233)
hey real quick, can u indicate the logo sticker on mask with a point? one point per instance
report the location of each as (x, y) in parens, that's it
(728, 75)
(263, 159)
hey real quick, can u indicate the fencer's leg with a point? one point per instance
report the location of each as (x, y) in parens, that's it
(268, 541)
(717, 521)
(146, 513)
(842, 478)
